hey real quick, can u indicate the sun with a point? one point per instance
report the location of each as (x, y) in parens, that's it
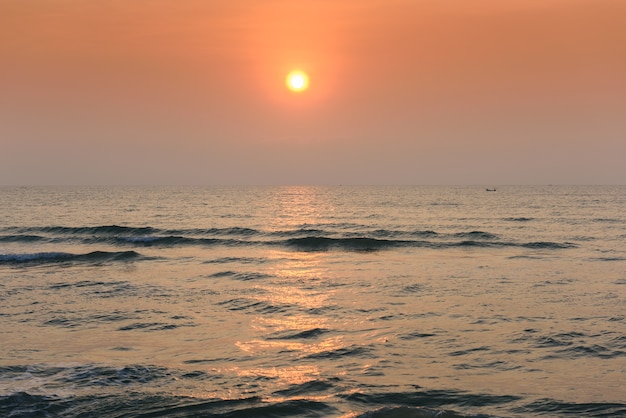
(297, 81)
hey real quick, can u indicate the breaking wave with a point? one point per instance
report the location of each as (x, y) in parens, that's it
(299, 239)
(60, 257)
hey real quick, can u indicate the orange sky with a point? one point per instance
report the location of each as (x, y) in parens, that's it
(402, 92)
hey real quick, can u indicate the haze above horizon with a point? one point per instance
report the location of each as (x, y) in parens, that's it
(399, 92)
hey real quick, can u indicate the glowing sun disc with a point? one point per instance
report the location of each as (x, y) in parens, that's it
(297, 81)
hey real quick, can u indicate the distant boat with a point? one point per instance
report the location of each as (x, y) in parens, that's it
(490, 190)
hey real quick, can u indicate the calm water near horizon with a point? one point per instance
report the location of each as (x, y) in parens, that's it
(312, 301)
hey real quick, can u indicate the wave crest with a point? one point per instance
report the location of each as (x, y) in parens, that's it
(60, 257)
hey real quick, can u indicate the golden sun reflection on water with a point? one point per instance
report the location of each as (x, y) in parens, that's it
(295, 375)
(302, 206)
(264, 347)
(299, 289)
(294, 296)
(291, 375)
(291, 323)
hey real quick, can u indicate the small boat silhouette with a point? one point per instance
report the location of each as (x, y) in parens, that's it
(490, 190)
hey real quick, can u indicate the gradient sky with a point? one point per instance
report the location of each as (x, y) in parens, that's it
(402, 92)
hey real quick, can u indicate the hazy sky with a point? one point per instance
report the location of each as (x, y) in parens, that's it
(401, 92)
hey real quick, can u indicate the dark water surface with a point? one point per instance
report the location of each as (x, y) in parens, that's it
(313, 301)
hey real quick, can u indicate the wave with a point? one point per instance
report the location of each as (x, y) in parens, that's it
(256, 306)
(591, 409)
(150, 326)
(60, 257)
(91, 230)
(22, 404)
(318, 243)
(288, 403)
(300, 232)
(430, 399)
(608, 258)
(243, 276)
(306, 334)
(237, 260)
(570, 345)
(22, 238)
(355, 350)
(138, 233)
(161, 241)
(548, 245)
(299, 239)
(239, 231)
(117, 230)
(475, 235)
(150, 390)
(416, 412)
(306, 243)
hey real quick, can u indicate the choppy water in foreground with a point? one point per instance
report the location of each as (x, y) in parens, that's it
(307, 301)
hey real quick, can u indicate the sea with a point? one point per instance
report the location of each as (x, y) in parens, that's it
(342, 301)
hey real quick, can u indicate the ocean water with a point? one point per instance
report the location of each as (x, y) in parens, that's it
(312, 301)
